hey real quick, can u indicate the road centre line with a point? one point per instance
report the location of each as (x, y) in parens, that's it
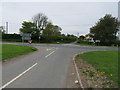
(18, 76)
(48, 49)
(49, 54)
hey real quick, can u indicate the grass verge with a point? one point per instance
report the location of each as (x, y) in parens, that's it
(33, 42)
(103, 61)
(10, 51)
(81, 44)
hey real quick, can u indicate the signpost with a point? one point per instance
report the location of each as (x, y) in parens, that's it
(26, 36)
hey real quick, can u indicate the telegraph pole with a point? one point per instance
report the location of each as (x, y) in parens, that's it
(78, 35)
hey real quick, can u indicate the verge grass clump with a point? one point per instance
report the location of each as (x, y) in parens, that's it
(10, 51)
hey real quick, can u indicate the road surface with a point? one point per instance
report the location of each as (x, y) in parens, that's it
(45, 68)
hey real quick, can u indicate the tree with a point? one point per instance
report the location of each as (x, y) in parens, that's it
(2, 31)
(40, 20)
(28, 27)
(82, 37)
(51, 32)
(105, 29)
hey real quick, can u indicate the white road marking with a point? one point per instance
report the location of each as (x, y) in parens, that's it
(18, 76)
(49, 54)
(48, 49)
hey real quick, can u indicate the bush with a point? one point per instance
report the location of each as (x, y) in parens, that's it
(11, 37)
(117, 42)
(82, 41)
(54, 39)
(111, 43)
(43, 39)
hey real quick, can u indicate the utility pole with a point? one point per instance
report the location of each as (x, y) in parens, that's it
(78, 35)
(6, 27)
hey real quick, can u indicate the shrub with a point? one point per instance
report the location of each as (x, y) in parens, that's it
(83, 41)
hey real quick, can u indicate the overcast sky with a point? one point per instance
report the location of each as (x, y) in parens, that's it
(72, 17)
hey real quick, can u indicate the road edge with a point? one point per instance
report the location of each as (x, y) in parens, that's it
(78, 75)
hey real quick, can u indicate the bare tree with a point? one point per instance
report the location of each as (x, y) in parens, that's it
(2, 30)
(40, 20)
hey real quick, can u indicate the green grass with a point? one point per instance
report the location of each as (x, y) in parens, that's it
(104, 61)
(82, 44)
(50, 43)
(33, 42)
(10, 51)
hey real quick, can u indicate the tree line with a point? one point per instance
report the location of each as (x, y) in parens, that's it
(43, 30)
(105, 30)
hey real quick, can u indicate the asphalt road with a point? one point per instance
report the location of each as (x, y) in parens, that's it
(45, 68)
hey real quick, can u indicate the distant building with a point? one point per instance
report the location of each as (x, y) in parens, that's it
(89, 36)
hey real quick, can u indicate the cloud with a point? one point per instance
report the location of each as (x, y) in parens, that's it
(59, 0)
(72, 17)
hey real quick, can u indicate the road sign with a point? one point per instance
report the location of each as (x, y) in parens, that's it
(30, 41)
(26, 36)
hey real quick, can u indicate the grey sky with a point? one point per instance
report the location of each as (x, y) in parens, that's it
(72, 17)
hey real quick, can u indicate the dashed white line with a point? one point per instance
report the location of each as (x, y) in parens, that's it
(49, 54)
(18, 76)
(48, 49)
(24, 71)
